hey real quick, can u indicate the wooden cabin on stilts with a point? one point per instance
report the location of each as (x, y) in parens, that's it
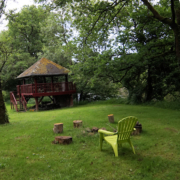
(44, 78)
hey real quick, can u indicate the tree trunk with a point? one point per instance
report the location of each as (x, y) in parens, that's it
(3, 113)
(176, 30)
(81, 96)
(149, 85)
(173, 22)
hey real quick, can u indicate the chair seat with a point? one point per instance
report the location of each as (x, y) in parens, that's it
(111, 139)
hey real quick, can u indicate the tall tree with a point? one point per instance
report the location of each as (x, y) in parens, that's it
(135, 45)
(57, 35)
(111, 10)
(172, 21)
(5, 52)
(27, 39)
(25, 28)
(2, 6)
(3, 58)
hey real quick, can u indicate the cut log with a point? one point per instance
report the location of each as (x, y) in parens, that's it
(58, 128)
(111, 118)
(77, 123)
(94, 129)
(138, 130)
(63, 139)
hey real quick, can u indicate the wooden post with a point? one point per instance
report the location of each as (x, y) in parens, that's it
(19, 89)
(66, 78)
(44, 79)
(77, 123)
(40, 99)
(111, 118)
(58, 128)
(52, 88)
(35, 82)
(66, 83)
(71, 100)
(37, 104)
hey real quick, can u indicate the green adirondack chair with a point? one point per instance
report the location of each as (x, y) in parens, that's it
(125, 128)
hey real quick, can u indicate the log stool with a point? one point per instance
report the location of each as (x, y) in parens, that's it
(58, 128)
(111, 118)
(94, 129)
(138, 130)
(77, 123)
(63, 139)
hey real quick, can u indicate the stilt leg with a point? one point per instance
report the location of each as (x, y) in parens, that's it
(37, 104)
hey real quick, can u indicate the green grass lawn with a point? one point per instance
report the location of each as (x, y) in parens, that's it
(26, 151)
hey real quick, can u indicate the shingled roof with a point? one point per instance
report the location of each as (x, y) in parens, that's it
(44, 67)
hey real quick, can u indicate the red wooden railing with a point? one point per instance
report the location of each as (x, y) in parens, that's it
(18, 102)
(13, 100)
(46, 87)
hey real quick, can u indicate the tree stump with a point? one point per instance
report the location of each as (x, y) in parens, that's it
(63, 139)
(94, 129)
(58, 128)
(111, 118)
(77, 123)
(138, 130)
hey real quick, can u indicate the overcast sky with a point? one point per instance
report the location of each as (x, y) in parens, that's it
(14, 4)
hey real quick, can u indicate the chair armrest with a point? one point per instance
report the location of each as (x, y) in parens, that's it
(105, 132)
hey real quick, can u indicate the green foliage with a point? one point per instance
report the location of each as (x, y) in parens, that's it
(6, 95)
(25, 26)
(114, 44)
(175, 105)
(122, 43)
(25, 40)
(17, 63)
(89, 84)
(57, 33)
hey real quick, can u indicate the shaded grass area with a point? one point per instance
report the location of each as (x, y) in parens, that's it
(26, 151)
(174, 104)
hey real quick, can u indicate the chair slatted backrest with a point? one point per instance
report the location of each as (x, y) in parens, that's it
(125, 127)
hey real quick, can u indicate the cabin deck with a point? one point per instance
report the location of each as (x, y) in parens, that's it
(46, 89)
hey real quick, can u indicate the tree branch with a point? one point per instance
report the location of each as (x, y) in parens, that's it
(105, 11)
(173, 11)
(2, 5)
(156, 14)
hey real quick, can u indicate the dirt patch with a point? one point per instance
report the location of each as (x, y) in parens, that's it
(171, 129)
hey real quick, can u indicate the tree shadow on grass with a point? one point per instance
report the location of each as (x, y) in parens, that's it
(147, 166)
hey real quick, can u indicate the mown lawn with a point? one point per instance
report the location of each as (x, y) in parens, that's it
(26, 151)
